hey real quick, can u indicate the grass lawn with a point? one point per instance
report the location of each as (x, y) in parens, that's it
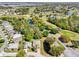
(70, 34)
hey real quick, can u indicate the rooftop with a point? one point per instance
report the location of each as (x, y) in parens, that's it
(17, 35)
(13, 46)
(28, 44)
(36, 43)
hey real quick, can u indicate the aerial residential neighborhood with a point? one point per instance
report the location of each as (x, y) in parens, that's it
(39, 29)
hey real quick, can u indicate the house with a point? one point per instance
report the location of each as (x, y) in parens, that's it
(11, 32)
(27, 45)
(17, 37)
(8, 27)
(36, 43)
(13, 46)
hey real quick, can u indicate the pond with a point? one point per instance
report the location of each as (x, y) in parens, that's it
(46, 46)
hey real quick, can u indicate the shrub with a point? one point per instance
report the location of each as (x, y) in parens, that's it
(21, 53)
(1, 40)
(45, 33)
(54, 31)
(56, 51)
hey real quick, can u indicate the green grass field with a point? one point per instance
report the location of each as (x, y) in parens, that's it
(70, 34)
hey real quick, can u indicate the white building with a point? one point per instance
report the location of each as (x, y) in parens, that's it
(27, 45)
(36, 43)
(13, 46)
(17, 38)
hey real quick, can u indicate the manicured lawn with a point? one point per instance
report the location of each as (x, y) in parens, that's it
(70, 34)
(53, 26)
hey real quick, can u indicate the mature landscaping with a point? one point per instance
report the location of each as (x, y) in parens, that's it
(43, 30)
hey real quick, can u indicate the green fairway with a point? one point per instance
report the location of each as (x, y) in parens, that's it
(70, 34)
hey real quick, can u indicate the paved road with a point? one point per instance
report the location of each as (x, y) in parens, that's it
(69, 52)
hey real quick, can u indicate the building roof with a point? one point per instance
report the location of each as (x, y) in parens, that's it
(36, 43)
(11, 31)
(13, 46)
(27, 45)
(7, 25)
(17, 36)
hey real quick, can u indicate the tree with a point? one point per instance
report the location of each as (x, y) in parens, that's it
(54, 30)
(37, 33)
(56, 51)
(65, 38)
(22, 10)
(36, 36)
(28, 37)
(21, 45)
(5, 17)
(76, 30)
(52, 19)
(45, 33)
(1, 41)
(41, 27)
(50, 40)
(21, 53)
